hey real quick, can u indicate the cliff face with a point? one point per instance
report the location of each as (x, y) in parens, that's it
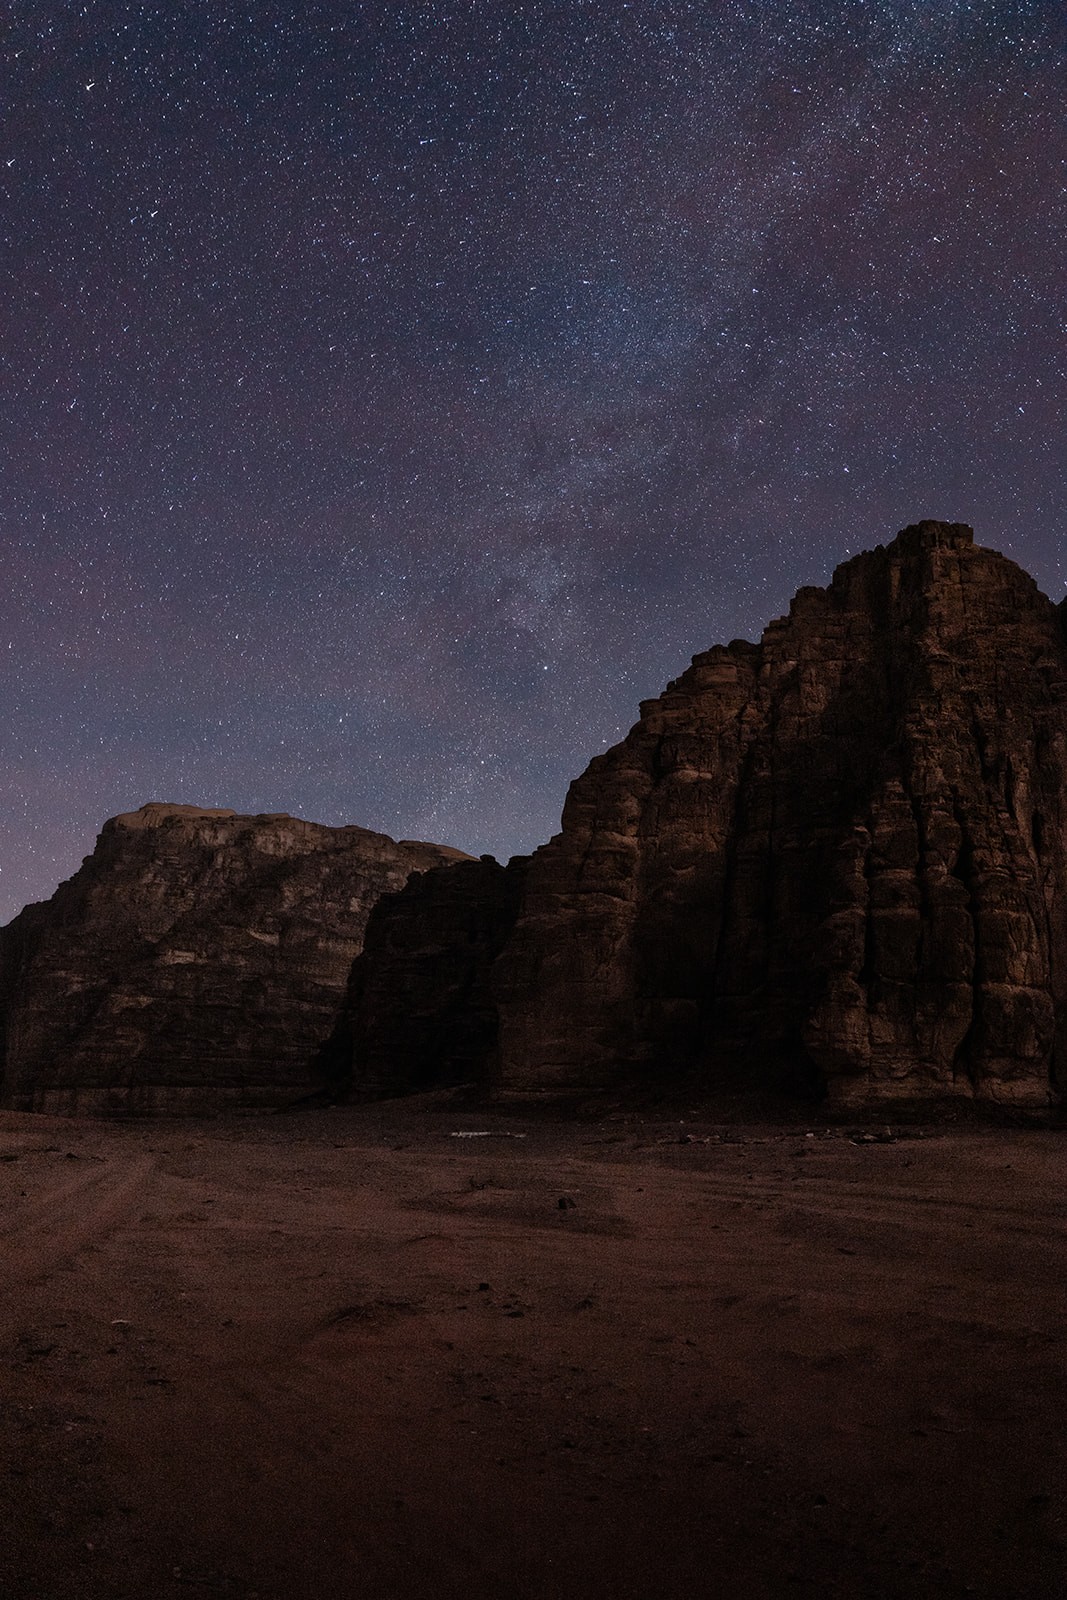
(197, 959)
(831, 862)
(420, 1009)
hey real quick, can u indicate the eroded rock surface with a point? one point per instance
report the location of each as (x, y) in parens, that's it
(420, 1009)
(198, 958)
(830, 862)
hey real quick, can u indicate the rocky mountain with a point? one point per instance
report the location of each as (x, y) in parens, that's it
(198, 958)
(833, 863)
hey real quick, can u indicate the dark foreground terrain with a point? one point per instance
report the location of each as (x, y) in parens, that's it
(349, 1353)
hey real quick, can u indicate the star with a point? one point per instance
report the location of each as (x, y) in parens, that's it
(502, 511)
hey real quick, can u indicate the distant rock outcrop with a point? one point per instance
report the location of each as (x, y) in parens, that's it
(833, 863)
(197, 959)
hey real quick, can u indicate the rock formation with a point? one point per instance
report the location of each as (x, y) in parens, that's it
(833, 862)
(420, 1011)
(198, 958)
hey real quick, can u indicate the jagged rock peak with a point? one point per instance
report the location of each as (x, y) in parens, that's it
(930, 535)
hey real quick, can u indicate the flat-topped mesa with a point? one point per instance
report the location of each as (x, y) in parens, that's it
(199, 958)
(157, 812)
(271, 827)
(832, 862)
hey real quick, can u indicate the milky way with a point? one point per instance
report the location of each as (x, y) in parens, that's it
(393, 395)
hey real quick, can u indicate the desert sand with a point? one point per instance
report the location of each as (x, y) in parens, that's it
(346, 1352)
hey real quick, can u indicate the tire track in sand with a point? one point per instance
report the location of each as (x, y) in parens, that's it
(52, 1228)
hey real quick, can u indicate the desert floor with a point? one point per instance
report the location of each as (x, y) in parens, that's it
(348, 1353)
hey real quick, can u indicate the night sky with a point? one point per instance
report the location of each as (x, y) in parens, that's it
(392, 395)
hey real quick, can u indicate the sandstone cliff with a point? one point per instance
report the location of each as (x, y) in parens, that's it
(198, 958)
(420, 1011)
(832, 862)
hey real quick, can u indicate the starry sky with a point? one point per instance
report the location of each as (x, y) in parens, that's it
(392, 395)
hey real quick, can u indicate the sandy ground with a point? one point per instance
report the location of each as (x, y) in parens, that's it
(346, 1353)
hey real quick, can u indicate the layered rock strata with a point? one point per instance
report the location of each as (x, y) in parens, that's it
(198, 958)
(833, 862)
